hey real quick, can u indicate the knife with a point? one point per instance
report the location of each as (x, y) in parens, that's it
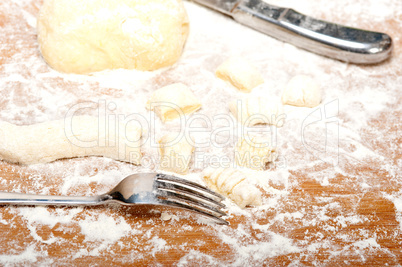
(328, 39)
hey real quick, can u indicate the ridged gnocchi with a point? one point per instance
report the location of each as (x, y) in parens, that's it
(251, 111)
(255, 153)
(233, 184)
(172, 101)
(240, 73)
(175, 155)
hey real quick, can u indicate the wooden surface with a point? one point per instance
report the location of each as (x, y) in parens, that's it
(353, 219)
(380, 220)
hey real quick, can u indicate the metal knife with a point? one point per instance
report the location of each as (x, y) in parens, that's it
(318, 36)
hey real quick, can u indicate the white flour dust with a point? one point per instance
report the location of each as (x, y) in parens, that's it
(332, 147)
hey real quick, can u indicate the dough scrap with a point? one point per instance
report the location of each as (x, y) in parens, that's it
(165, 216)
(255, 153)
(93, 35)
(240, 73)
(49, 141)
(233, 184)
(172, 101)
(302, 91)
(175, 155)
(251, 111)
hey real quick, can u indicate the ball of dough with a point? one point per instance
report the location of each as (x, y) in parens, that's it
(302, 91)
(78, 36)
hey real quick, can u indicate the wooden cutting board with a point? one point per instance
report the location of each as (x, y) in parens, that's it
(315, 212)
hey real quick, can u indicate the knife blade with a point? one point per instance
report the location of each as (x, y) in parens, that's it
(321, 37)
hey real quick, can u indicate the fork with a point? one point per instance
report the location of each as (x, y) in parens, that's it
(139, 189)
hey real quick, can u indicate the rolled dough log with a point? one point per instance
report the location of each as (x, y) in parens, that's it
(49, 141)
(86, 36)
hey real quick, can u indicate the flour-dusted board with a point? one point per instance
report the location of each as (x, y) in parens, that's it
(333, 196)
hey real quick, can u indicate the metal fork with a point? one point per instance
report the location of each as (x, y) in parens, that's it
(137, 189)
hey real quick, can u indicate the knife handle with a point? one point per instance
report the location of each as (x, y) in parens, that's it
(318, 36)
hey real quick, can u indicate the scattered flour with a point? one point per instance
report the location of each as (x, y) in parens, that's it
(28, 256)
(258, 252)
(397, 200)
(103, 228)
(157, 245)
(42, 216)
(3, 221)
(322, 146)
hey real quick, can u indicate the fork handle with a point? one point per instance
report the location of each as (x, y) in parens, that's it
(7, 198)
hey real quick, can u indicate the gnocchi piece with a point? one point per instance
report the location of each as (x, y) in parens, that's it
(233, 184)
(77, 136)
(172, 101)
(251, 111)
(255, 152)
(175, 155)
(240, 73)
(302, 91)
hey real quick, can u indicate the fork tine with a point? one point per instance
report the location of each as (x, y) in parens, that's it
(172, 187)
(180, 181)
(173, 203)
(171, 195)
